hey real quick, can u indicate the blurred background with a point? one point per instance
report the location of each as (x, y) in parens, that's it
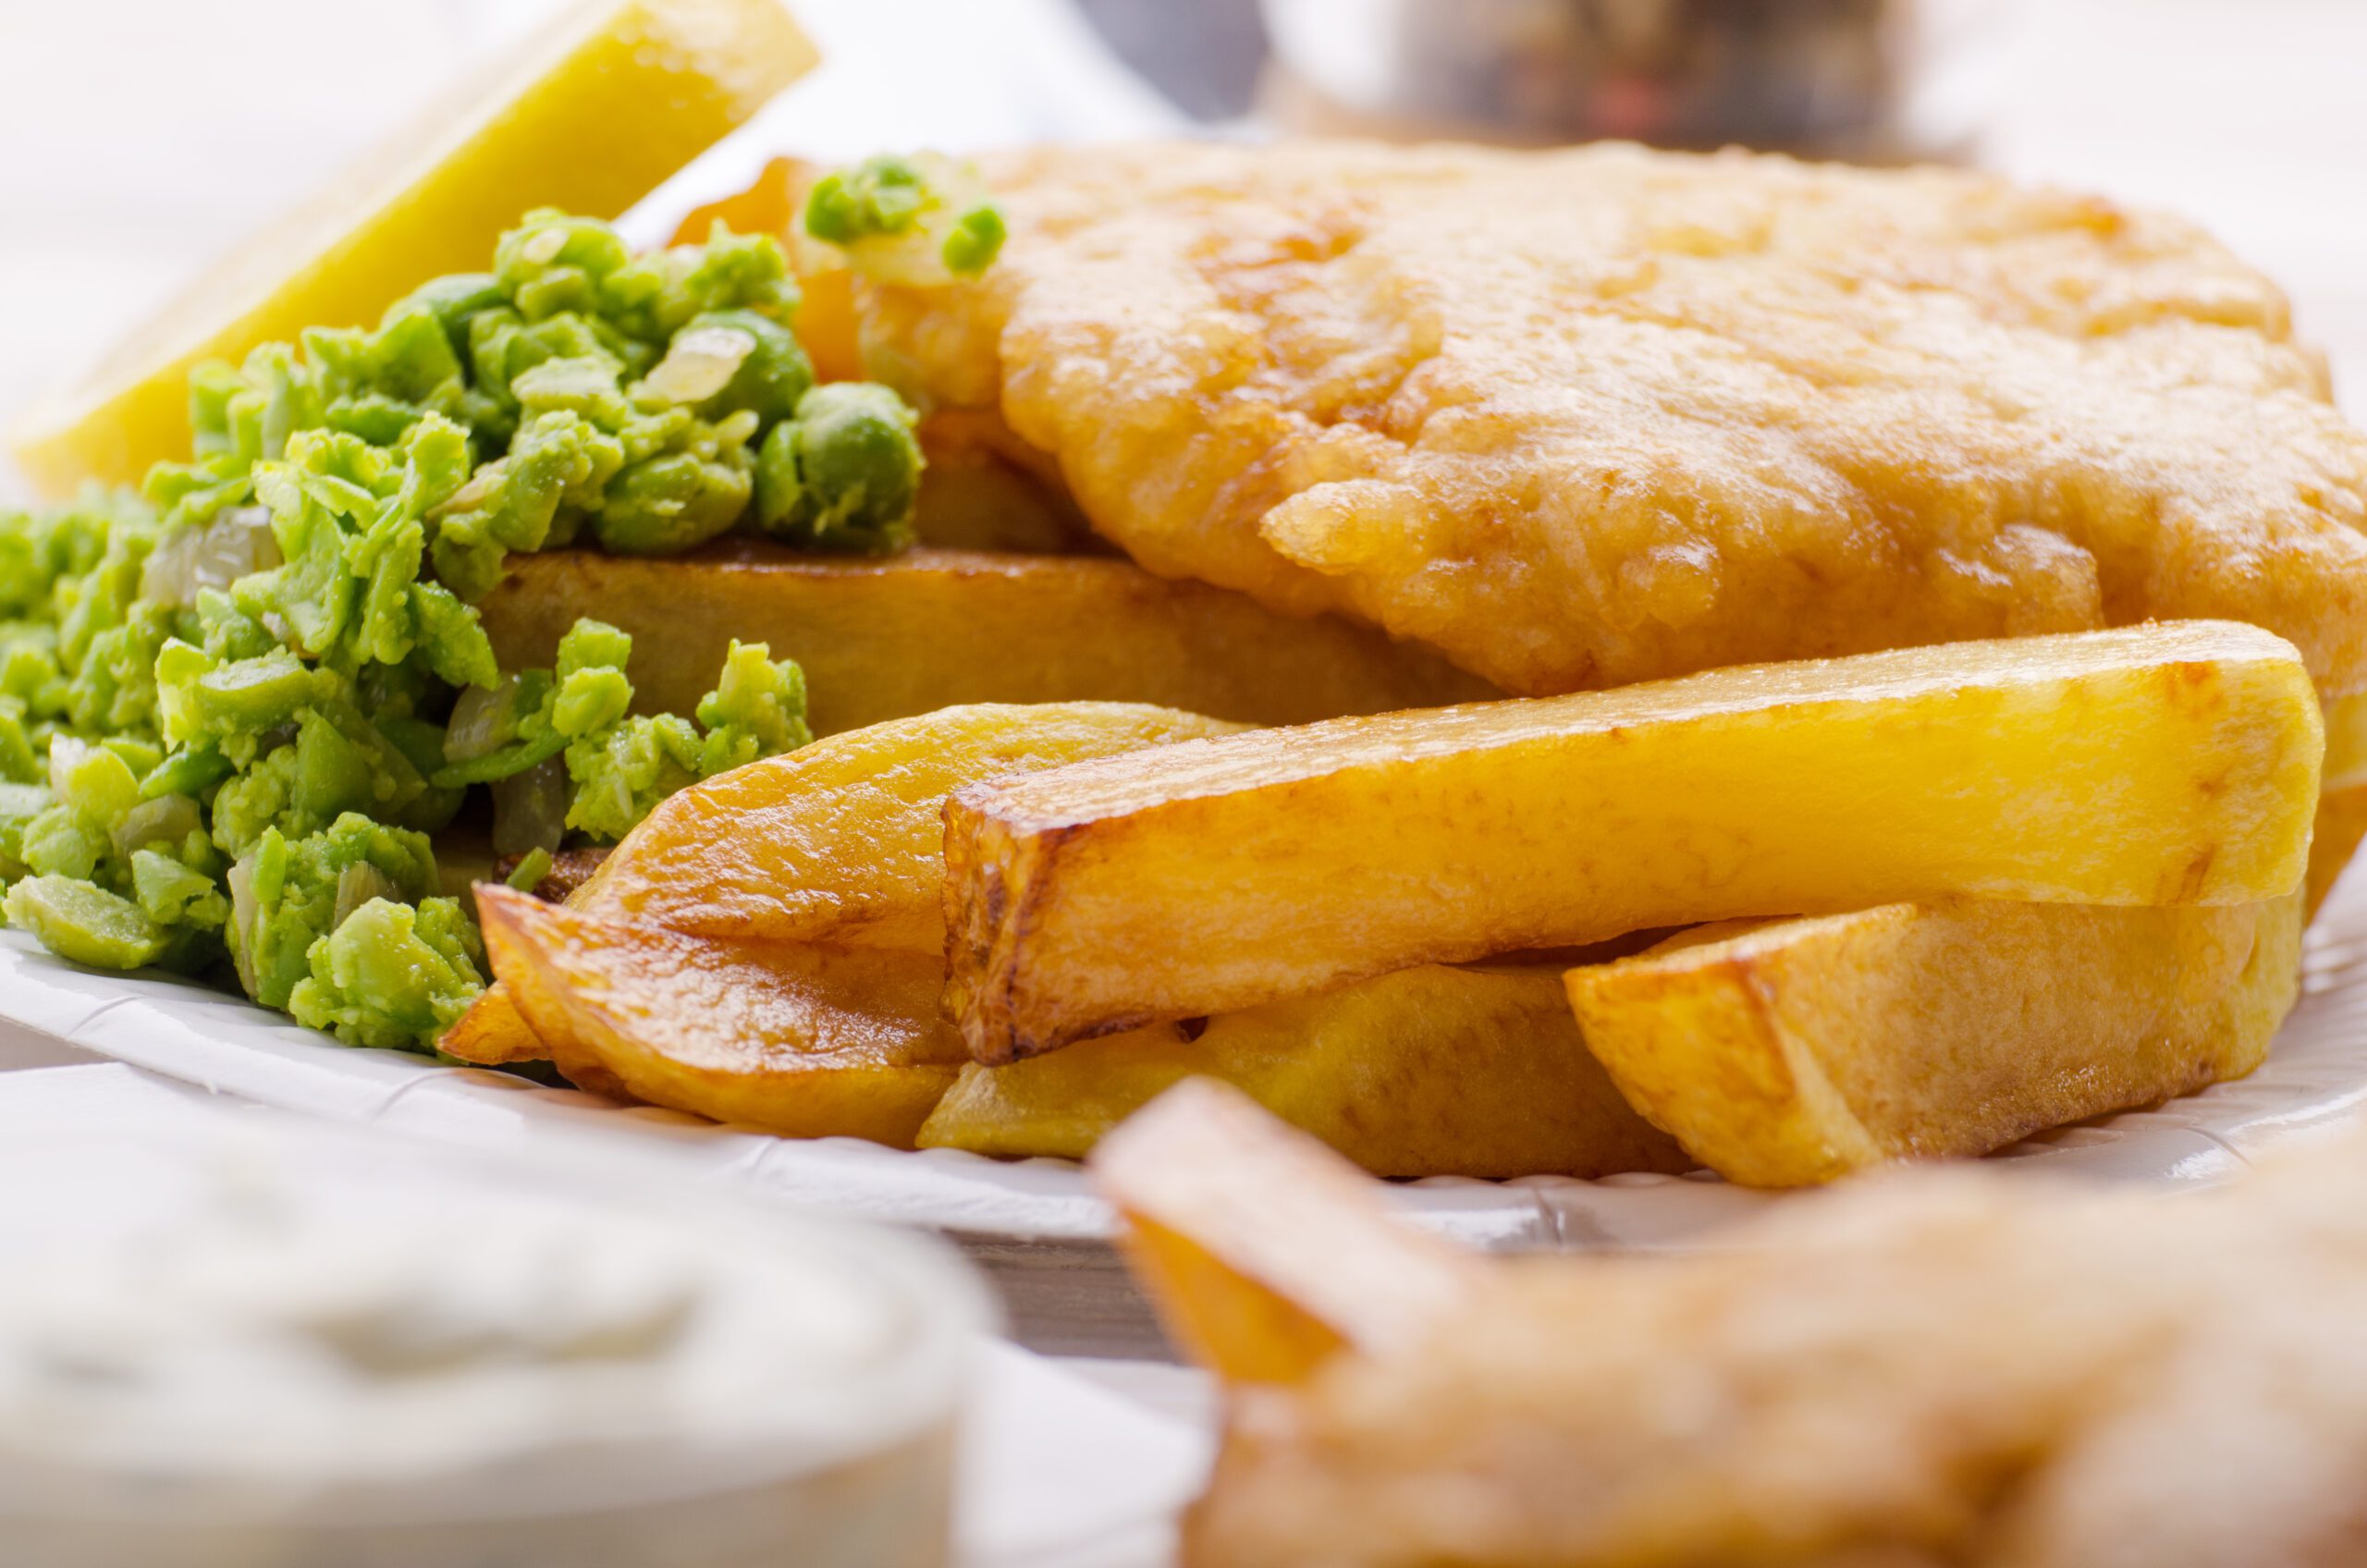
(143, 136)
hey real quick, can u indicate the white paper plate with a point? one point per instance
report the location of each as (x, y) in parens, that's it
(1035, 1226)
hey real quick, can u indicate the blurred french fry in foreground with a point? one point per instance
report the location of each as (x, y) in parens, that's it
(803, 1041)
(2174, 765)
(1265, 1254)
(1937, 1367)
(1429, 1072)
(1793, 1052)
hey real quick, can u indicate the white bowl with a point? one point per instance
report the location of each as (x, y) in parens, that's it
(249, 1341)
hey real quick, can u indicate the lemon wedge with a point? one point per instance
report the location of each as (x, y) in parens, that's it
(589, 114)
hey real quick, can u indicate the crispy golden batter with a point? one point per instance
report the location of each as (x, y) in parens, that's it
(1589, 417)
(1939, 1370)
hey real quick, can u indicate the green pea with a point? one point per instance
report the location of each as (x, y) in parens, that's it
(845, 473)
(200, 696)
(531, 871)
(452, 300)
(885, 195)
(669, 504)
(974, 242)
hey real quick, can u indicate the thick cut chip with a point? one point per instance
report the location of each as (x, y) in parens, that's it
(2345, 741)
(1263, 1253)
(1588, 417)
(886, 639)
(493, 1032)
(596, 108)
(808, 1042)
(1429, 1072)
(2164, 764)
(984, 489)
(2342, 824)
(1798, 1051)
(843, 841)
(534, 993)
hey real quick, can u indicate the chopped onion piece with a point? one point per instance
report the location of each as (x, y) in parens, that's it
(65, 754)
(543, 248)
(242, 919)
(237, 543)
(169, 574)
(530, 809)
(561, 381)
(482, 719)
(356, 885)
(700, 363)
(167, 819)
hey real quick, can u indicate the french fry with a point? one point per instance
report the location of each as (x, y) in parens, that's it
(984, 489)
(493, 1032)
(1793, 1052)
(931, 628)
(2342, 824)
(1429, 1071)
(532, 990)
(843, 841)
(769, 204)
(2345, 762)
(1264, 1253)
(807, 1042)
(2174, 764)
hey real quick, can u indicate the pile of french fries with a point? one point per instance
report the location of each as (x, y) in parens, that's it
(1785, 922)
(1075, 833)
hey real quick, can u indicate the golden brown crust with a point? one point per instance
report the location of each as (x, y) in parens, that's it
(1596, 416)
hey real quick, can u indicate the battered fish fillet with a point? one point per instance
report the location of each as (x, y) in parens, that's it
(1588, 417)
(1937, 1370)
